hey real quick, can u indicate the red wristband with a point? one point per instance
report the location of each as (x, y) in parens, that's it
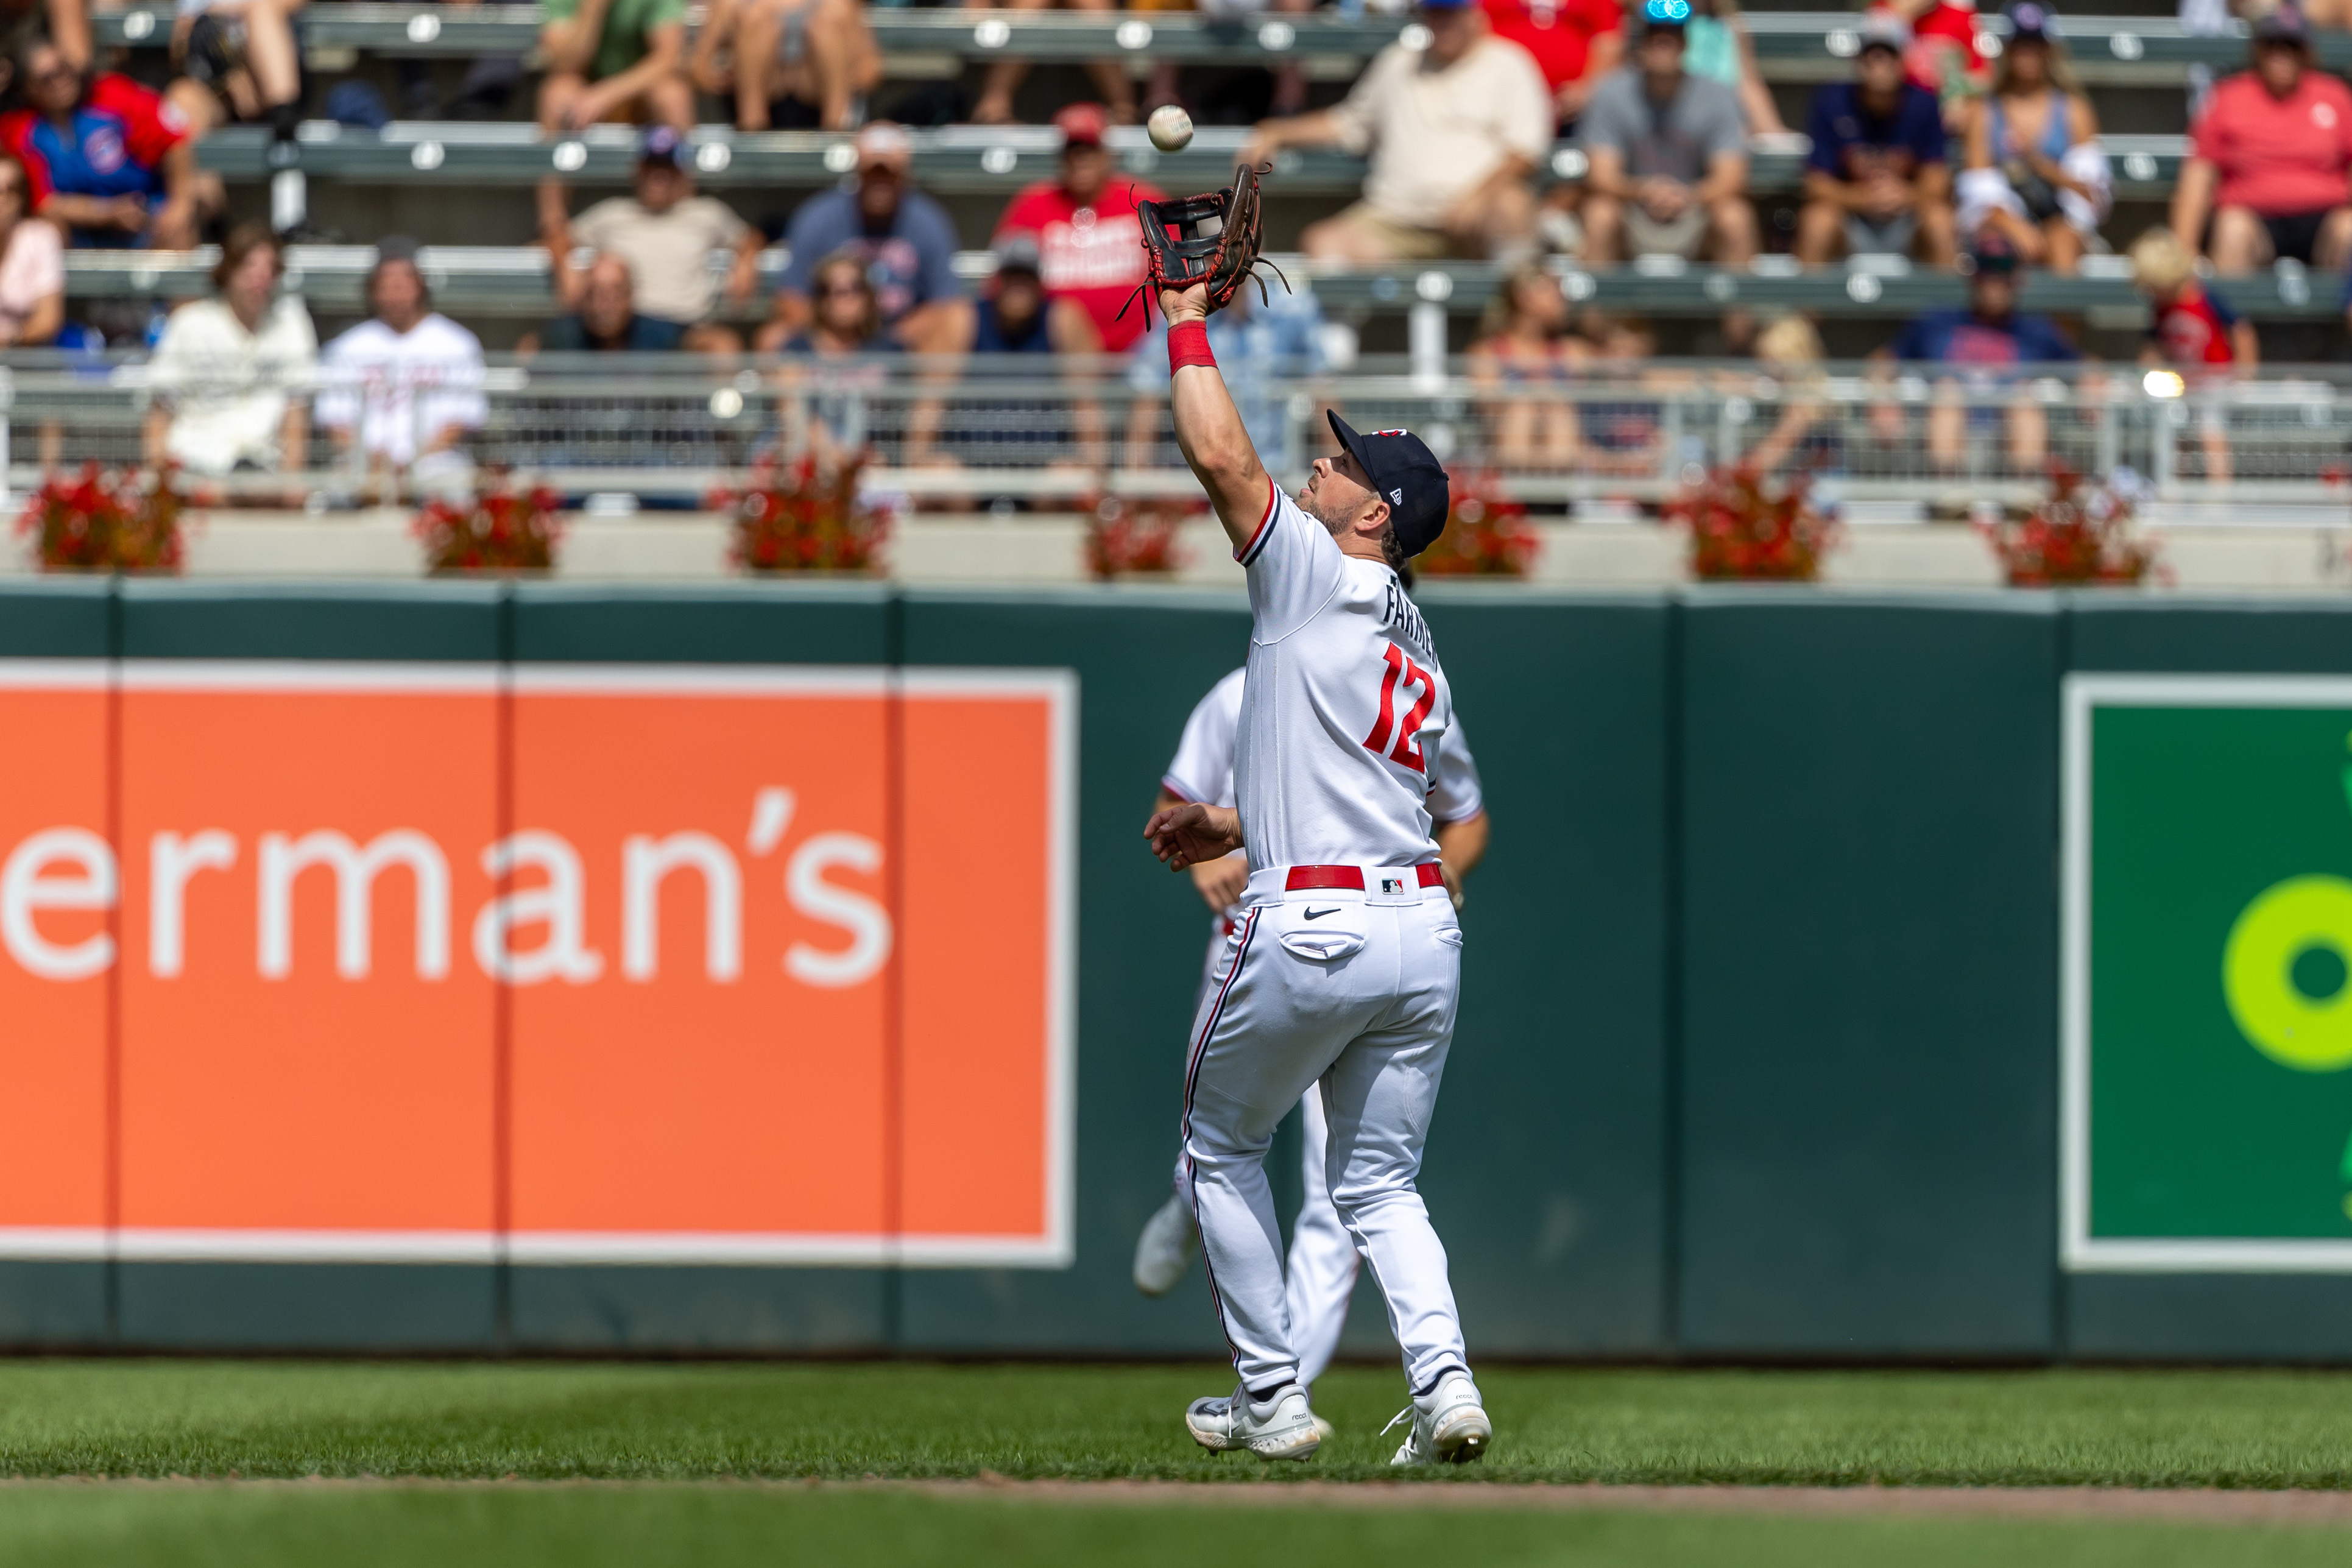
(1188, 343)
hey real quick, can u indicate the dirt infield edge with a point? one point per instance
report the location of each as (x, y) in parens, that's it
(2113, 1504)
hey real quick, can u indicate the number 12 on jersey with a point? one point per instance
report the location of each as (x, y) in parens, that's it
(1401, 672)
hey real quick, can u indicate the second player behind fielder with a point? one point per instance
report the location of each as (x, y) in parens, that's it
(1321, 1272)
(1346, 971)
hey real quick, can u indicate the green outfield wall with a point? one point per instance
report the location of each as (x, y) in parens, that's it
(1763, 1045)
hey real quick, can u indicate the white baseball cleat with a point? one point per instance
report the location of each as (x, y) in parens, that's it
(1449, 1425)
(1164, 1251)
(1282, 1427)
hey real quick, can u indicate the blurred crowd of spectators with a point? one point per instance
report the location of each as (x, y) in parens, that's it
(1931, 152)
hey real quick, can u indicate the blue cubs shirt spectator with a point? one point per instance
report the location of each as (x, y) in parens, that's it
(97, 157)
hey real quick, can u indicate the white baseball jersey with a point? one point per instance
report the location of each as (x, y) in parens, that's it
(1346, 711)
(1202, 769)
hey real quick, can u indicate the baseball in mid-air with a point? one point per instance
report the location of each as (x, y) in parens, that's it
(1170, 128)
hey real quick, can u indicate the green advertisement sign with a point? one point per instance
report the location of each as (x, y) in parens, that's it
(2208, 1072)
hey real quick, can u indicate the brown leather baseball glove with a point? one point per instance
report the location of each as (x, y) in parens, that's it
(1216, 242)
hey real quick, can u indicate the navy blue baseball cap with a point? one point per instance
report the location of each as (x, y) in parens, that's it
(1408, 478)
(660, 145)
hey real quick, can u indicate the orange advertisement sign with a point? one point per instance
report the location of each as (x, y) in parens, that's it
(560, 964)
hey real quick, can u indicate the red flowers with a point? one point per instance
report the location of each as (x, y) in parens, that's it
(2081, 534)
(798, 517)
(1126, 537)
(105, 523)
(498, 532)
(1740, 533)
(1487, 535)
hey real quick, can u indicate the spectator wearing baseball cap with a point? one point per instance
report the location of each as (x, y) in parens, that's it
(1005, 77)
(1024, 327)
(2268, 158)
(614, 60)
(2035, 170)
(906, 238)
(1983, 342)
(1083, 220)
(667, 235)
(1669, 151)
(1019, 314)
(1455, 130)
(1876, 183)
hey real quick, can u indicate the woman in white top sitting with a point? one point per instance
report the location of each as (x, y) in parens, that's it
(233, 373)
(2035, 172)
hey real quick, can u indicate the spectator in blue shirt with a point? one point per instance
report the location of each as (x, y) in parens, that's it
(1258, 344)
(1981, 348)
(905, 238)
(1876, 183)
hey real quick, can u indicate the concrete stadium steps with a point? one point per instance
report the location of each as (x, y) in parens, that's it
(511, 281)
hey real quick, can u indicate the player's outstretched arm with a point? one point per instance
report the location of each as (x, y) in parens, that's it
(1209, 427)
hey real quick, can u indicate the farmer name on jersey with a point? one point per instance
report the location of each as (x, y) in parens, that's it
(1400, 618)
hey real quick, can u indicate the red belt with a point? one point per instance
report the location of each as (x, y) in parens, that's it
(1304, 878)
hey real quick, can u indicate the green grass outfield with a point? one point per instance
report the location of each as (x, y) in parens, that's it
(720, 1424)
(224, 1526)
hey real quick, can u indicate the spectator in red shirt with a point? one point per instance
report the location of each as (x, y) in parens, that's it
(108, 161)
(1943, 57)
(1575, 43)
(2268, 160)
(1086, 226)
(2193, 330)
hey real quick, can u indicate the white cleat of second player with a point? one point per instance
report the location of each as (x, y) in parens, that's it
(1164, 1251)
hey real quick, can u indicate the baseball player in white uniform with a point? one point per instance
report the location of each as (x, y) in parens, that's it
(1344, 970)
(1321, 1272)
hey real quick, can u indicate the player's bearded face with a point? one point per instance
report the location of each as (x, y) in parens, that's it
(1336, 494)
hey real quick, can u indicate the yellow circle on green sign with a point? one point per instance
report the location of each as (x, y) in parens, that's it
(2306, 1033)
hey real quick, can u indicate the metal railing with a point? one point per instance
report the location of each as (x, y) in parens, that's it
(669, 429)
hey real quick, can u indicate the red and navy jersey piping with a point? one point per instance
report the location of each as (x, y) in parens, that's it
(1250, 552)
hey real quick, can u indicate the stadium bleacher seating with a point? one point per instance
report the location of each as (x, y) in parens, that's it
(511, 280)
(2143, 55)
(2290, 432)
(1790, 45)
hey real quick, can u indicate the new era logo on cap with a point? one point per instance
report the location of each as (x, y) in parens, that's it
(1401, 467)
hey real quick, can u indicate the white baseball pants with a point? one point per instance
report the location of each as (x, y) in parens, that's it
(1319, 1273)
(1352, 993)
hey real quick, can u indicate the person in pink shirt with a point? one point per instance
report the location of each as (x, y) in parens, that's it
(1085, 222)
(2266, 175)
